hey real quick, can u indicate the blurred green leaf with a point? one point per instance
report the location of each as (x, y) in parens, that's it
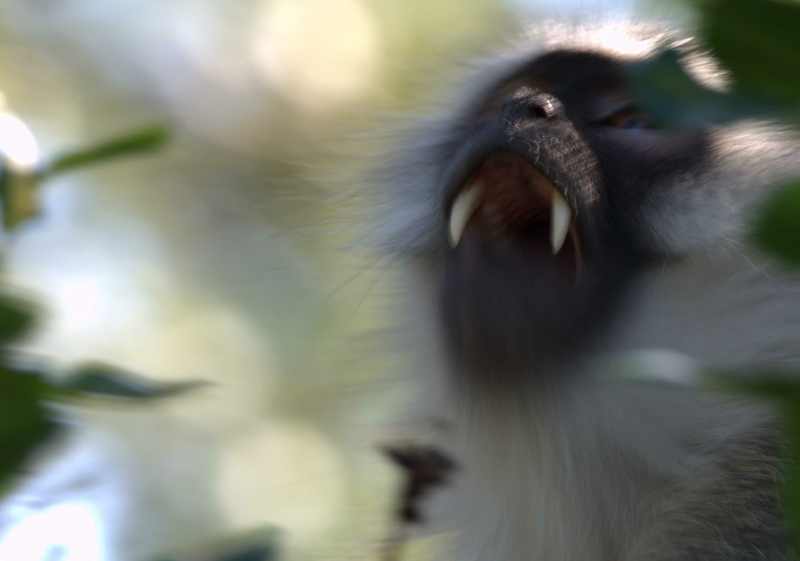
(782, 387)
(791, 416)
(18, 318)
(775, 385)
(25, 420)
(256, 545)
(19, 191)
(757, 41)
(144, 140)
(104, 380)
(25, 423)
(673, 98)
(20, 198)
(776, 229)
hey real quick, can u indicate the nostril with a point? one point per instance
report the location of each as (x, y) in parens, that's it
(538, 112)
(545, 106)
(529, 104)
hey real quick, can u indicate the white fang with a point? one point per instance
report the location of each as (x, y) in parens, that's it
(560, 218)
(463, 208)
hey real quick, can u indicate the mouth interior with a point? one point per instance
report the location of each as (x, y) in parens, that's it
(506, 199)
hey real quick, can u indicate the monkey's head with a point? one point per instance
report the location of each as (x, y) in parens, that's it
(545, 195)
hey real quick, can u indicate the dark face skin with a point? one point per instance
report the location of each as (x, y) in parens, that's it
(565, 122)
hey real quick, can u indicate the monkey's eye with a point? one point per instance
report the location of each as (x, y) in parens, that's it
(629, 117)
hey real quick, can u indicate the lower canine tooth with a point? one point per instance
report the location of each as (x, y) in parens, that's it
(560, 218)
(463, 208)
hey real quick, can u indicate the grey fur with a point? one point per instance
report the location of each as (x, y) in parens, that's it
(601, 469)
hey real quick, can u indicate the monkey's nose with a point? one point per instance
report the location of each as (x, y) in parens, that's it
(529, 104)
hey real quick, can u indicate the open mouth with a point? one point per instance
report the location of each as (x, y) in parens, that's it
(507, 199)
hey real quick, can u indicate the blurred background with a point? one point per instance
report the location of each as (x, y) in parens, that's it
(228, 257)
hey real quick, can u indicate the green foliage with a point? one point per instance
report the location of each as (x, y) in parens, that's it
(19, 191)
(757, 42)
(791, 419)
(776, 228)
(100, 379)
(261, 544)
(775, 385)
(141, 141)
(18, 319)
(781, 387)
(19, 196)
(25, 423)
(675, 99)
(26, 420)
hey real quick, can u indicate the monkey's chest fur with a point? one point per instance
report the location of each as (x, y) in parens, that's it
(591, 465)
(612, 473)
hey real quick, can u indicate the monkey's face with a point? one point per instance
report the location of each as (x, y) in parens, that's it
(552, 217)
(542, 186)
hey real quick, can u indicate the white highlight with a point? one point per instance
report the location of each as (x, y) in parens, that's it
(321, 53)
(18, 146)
(657, 365)
(621, 38)
(70, 531)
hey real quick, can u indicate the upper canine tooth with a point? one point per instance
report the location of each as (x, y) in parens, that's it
(463, 208)
(560, 219)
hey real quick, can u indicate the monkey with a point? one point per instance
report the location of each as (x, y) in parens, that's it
(552, 240)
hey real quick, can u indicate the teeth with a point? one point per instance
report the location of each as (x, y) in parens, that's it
(560, 218)
(468, 200)
(463, 209)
